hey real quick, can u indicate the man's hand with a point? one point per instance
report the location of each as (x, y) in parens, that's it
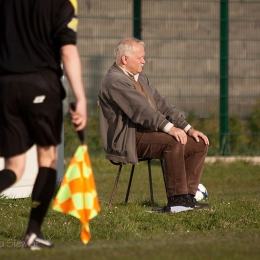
(179, 134)
(196, 134)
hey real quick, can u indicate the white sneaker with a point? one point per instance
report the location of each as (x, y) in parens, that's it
(33, 242)
(177, 209)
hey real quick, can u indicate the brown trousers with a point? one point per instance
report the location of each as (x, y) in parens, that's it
(183, 163)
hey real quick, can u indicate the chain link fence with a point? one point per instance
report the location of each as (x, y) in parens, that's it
(183, 61)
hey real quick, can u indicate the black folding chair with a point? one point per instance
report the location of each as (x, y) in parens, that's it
(120, 165)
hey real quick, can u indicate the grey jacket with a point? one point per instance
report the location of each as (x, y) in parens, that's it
(122, 109)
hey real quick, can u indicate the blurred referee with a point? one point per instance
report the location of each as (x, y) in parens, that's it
(35, 37)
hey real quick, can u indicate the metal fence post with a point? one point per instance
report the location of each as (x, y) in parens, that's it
(223, 102)
(137, 19)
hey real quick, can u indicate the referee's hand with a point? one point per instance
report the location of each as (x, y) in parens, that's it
(79, 116)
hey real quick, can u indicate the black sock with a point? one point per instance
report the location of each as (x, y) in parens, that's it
(42, 194)
(7, 178)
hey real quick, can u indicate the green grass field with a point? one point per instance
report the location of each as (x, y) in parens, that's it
(229, 230)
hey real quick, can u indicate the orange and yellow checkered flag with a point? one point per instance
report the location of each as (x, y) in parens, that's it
(77, 195)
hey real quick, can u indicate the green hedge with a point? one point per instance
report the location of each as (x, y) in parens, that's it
(243, 138)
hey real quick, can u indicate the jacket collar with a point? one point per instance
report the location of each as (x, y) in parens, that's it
(126, 72)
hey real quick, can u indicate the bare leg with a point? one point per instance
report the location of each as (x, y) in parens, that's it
(13, 171)
(16, 164)
(47, 156)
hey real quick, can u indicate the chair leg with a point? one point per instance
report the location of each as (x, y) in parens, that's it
(150, 182)
(115, 185)
(129, 183)
(164, 177)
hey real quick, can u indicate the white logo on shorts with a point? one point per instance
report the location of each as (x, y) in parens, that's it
(39, 99)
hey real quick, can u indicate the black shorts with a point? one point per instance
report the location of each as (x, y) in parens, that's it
(30, 111)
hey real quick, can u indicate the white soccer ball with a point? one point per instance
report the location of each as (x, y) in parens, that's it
(201, 193)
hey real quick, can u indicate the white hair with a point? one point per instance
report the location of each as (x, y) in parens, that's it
(125, 47)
